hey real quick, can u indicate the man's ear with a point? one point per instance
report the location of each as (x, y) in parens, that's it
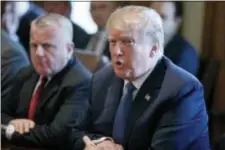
(178, 22)
(70, 48)
(153, 50)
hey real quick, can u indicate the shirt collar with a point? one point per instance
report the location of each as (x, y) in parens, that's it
(139, 81)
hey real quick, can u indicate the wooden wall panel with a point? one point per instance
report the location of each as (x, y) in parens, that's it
(214, 46)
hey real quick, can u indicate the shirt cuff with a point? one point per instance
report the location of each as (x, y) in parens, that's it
(97, 141)
(10, 129)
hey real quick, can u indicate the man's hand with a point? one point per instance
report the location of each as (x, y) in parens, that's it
(89, 145)
(119, 147)
(109, 145)
(22, 125)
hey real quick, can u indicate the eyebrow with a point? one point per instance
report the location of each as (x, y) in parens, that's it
(120, 37)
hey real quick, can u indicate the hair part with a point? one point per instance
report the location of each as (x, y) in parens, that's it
(146, 21)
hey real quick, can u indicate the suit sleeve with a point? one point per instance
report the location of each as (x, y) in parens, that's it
(10, 101)
(12, 61)
(56, 133)
(83, 127)
(184, 125)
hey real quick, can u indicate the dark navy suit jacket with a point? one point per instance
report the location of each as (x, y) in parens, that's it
(174, 118)
(63, 99)
(13, 58)
(182, 54)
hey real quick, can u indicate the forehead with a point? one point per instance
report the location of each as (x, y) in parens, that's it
(119, 34)
(164, 8)
(44, 33)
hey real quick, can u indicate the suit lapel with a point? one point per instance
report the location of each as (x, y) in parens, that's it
(112, 101)
(27, 91)
(48, 92)
(146, 95)
(53, 87)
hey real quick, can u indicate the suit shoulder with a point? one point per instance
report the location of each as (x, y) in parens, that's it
(104, 73)
(25, 72)
(10, 45)
(77, 74)
(181, 76)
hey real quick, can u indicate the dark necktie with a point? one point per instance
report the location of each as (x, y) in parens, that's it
(35, 98)
(122, 114)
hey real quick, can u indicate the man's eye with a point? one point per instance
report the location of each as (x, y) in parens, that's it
(128, 42)
(46, 46)
(112, 41)
(32, 46)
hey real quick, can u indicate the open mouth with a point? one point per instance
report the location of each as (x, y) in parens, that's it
(119, 63)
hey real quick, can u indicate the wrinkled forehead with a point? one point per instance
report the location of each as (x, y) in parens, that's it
(116, 33)
(50, 32)
(128, 26)
(50, 27)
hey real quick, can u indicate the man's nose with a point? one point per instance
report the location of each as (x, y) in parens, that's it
(40, 51)
(118, 49)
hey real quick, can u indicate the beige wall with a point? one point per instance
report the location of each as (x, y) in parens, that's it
(193, 23)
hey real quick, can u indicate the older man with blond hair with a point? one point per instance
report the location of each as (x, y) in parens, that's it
(142, 101)
(50, 94)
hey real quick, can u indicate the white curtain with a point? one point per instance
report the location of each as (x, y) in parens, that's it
(81, 15)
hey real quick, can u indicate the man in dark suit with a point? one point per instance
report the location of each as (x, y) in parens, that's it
(32, 13)
(80, 36)
(142, 101)
(13, 58)
(51, 94)
(177, 48)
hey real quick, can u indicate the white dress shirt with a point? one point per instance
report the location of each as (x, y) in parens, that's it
(137, 83)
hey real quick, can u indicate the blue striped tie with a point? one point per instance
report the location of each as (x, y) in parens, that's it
(122, 114)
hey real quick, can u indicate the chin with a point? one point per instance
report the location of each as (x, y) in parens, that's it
(43, 72)
(119, 73)
(123, 74)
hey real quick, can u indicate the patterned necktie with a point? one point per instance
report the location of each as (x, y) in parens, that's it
(35, 97)
(122, 114)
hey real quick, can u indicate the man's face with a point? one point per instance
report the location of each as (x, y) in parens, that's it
(49, 50)
(130, 53)
(100, 11)
(56, 7)
(170, 22)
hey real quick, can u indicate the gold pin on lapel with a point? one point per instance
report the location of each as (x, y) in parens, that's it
(147, 97)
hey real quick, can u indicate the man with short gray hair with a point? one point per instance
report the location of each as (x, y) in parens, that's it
(142, 101)
(50, 94)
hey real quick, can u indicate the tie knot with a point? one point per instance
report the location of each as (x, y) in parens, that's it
(43, 80)
(130, 87)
